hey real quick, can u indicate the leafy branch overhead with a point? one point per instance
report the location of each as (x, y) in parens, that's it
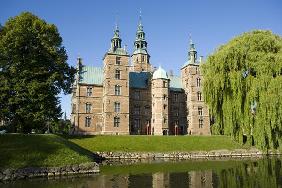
(33, 71)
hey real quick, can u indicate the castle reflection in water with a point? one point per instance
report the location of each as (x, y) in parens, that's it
(193, 179)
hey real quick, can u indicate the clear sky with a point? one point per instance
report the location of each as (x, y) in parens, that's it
(87, 26)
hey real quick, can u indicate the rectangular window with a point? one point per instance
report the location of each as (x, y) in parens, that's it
(200, 111)
(87, 121)
(87, 107)
(142, 58)
(175, 97)
(118, 60)
(117, 74)
(137, 110)
(116, 121)
(164, 97)
(164, 83)
(89, 91)
(137, 124)
(176, 112)
(199, 96)
(117, 90)
(201, 123)
(117, 107)
(137, 95)
(198, 82)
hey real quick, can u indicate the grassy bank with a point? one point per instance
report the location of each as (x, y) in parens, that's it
(18, 151)
(154, 143)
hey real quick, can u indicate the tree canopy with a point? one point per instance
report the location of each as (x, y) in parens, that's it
(243, 88)
(33, 71)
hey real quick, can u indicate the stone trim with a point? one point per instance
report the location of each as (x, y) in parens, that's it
(237, 153)
(31, 172)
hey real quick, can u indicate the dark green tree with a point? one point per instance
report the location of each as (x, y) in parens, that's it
(243, 88)
(33, 71)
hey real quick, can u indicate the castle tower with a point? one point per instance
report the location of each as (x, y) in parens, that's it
(198, 121)
(115, 108)
(160, 91)
(140, 57)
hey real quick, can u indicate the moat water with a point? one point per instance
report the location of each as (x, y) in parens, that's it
(264, 173)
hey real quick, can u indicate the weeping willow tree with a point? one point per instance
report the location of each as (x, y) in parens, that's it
(243, 89)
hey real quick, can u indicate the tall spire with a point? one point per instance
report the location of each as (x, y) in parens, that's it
(140, 42)
(192, 54)
(116, 41)
(140, 20)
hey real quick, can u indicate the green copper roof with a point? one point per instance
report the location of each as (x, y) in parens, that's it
(175, 83)
(140, 51)
(139, 79)
(197, 63)
(94, 75)
(91, 75)
(118, 51)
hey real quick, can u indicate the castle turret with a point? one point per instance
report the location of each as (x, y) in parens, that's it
(115, 108)
(140, 57)
(198, 121)
(160, 92)
(75, 99)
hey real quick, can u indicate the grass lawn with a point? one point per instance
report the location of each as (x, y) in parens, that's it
(18, 151)
(154, 143)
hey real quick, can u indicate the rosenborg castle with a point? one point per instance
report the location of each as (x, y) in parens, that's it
(121, 99)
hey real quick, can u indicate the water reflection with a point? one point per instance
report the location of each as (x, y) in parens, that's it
(193, 174)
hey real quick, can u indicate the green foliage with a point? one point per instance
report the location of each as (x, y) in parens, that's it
(154, 143)
(33, 71)
(61, 127)
(30, 150)
(243, 88)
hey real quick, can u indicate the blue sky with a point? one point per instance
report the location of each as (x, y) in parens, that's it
(87, 26)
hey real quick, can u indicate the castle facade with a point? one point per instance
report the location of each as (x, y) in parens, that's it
(136, 99)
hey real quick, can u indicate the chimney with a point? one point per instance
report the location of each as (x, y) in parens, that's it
(201, 59)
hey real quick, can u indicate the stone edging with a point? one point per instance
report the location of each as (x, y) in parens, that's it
(237, 153)
(30, 172)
